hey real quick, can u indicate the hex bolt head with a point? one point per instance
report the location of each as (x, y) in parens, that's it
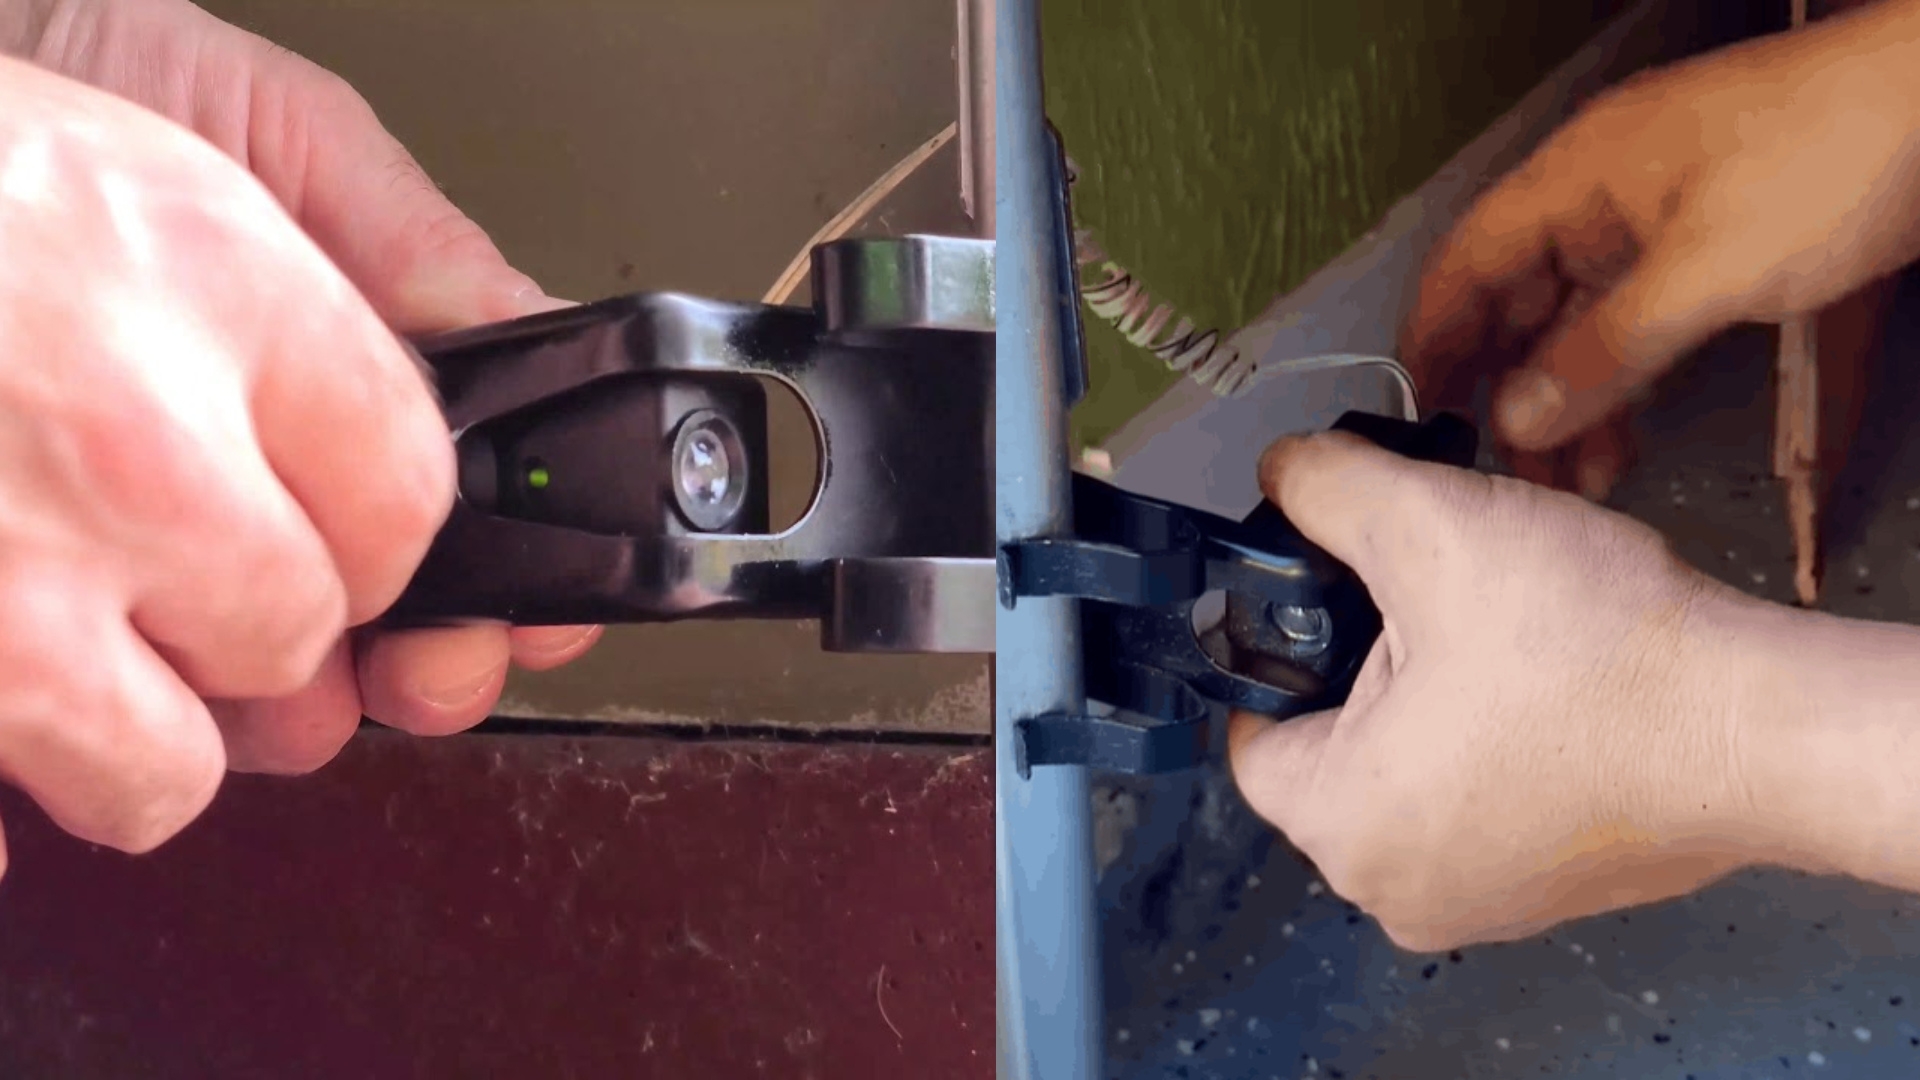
(1308, 630)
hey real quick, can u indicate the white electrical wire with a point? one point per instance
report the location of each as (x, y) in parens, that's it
(838, 226)
(1216, 363)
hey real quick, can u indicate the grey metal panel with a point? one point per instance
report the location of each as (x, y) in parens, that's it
(1049, 993)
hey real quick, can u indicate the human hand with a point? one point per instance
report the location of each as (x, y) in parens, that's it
(418, 262)
(1548, 726)
(215, 455)
(1768, 180)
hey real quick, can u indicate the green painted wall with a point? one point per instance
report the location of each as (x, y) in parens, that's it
(1229, 148)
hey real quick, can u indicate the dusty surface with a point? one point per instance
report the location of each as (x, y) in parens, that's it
(1227, 959)
(489, 906)
(677, 145)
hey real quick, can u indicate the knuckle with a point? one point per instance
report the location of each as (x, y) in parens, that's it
(292, 664)
(1388, 882)
(395, 526)
(1295, 463)
(438, 230)
(1336, 862)
(1333, 854)
(1267, 804)
(286, 610)
(1441, 502)
(144, 799)
(1413, 936)
(1275, 464)
(413, 513)
(287, 739)
(1552, 161)
(128, 464)
(319, 91)
(1403, 918)
(114, 756)
(408, 478)
(170, 785)
(40, 622)
(143, 825)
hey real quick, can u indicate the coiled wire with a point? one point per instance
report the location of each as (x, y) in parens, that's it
(1216, 363)
(1119, 299)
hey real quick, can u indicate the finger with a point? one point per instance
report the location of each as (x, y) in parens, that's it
(315, 144)
(1371, 509)
(296, 734)
(1527, 307)
(434, 682)
(1598, 363)
(1602, 456)
(417, 258)
(116, 749)
(423, 264)
(355, 435)
(339, 407)
(1274, 764)
(230, 582)
(542, 648)
(1591, 466)
(420, 262)
(1494, 276)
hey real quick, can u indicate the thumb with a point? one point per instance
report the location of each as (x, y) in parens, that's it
(1366, 506)
(1274, 763)
(1678, 296)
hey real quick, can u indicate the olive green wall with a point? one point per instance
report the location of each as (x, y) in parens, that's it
(1229, 148)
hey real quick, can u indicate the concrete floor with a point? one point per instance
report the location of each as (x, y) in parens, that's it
(1226, 958)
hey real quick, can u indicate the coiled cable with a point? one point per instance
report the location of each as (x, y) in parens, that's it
(1120, 300)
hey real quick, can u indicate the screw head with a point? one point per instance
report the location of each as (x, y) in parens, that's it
(709, 470)
(1308, 630)
(704, 469)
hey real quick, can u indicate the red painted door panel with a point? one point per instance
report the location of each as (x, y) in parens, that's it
(523, 906)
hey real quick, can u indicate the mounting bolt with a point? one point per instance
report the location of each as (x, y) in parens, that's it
(709, 470)
(1308, 630)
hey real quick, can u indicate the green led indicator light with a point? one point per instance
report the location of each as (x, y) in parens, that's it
(538, 477)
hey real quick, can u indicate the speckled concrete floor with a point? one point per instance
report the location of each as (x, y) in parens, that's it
(1225, 958)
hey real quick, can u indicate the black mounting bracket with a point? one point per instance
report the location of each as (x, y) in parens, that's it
(1295, 627)
(613, 458)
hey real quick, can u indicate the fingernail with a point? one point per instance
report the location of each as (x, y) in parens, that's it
(532, 301)
(456, 693)
(552, 641)
(1530, 405)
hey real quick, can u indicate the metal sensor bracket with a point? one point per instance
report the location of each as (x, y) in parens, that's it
(613, 458)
